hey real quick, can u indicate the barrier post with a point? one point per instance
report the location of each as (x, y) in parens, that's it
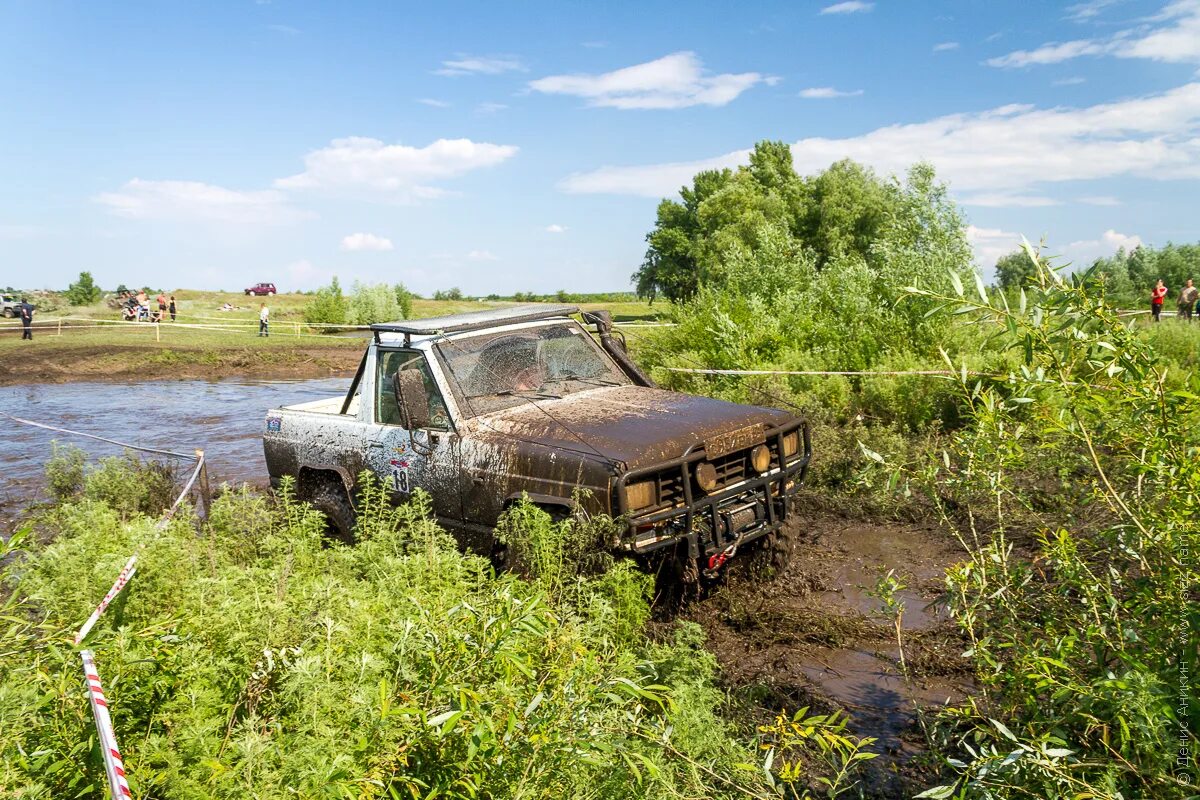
(205, 495)
(59, 326)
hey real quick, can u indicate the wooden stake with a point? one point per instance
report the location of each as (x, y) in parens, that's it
(205, 491)
(60, 326)
(157, 338)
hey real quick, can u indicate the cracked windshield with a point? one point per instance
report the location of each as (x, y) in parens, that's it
(501, 370)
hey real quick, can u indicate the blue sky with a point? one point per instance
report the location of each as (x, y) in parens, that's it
(507, 147)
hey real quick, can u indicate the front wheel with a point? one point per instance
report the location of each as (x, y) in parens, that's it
(330, 499)
(770, 556)
(270, 294)
(8, 312)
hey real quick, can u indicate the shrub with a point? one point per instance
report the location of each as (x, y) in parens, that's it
(370, 304)
(254, 660)
(84, 291)
(65, 471)
(328, 307)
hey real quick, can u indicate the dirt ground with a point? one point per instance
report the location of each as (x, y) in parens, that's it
(116, 362)
(815, 637)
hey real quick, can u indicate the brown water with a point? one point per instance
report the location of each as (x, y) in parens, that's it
(224, 418)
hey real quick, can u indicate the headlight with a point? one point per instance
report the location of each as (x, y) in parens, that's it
(760, 458)
(641, 495)
(706, 476)
(791, 444)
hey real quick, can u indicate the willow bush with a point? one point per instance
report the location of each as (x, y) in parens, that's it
(248, 658)
(1081, 615)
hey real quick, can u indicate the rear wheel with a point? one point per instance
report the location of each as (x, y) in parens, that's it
(8, 312)
(330, 499)
(271, 293)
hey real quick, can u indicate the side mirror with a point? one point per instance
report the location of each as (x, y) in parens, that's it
(409, 387)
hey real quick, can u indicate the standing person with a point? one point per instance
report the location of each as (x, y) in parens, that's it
(264, 315)
(162, 306)
(1157, 295)
(172, 307)
(143, 305)
(26, 312)
(1187, 300)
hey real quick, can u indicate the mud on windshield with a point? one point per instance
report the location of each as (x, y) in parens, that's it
(494, 371)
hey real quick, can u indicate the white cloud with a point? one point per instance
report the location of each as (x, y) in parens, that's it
(1072, 81)
(429, 101)
(489, 108)
(1172, 36)
(827, 92)
(482, 255)
(1083, 253)
(989, 244)
(1010, 150)
(1100, 200)
(362, 242)
(674, 81)
(848, 7)
(303, 275)
(359, 163)
(192, 200)
(284, 29)
(480, 65)
(1083, 12)
(942, 47)
(556, 229)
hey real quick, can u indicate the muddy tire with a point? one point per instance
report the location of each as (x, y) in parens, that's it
(771, 554)
(331, 500)
(8, 312)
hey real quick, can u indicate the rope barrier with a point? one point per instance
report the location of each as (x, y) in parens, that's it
(100, 438)
(927, 372)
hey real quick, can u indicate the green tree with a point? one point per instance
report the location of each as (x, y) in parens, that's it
(328, 307)
(1014, 270)
(846, 213)
(84, 291)
(404, 300)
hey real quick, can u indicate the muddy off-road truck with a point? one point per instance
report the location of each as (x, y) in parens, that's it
(482, 409)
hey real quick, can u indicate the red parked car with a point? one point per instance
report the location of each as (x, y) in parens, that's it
(262, 288)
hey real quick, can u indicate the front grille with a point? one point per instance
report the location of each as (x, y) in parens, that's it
(670, 488)
(733, 468)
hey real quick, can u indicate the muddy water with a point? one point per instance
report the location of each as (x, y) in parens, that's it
(224, 418)
(816, 636)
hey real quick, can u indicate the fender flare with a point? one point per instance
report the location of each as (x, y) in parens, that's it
(343, 474)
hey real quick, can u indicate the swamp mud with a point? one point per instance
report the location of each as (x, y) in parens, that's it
(817, 637)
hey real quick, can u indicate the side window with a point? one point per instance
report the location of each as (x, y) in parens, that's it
(387, 410)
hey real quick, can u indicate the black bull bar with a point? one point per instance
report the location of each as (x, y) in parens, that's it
(726, 518)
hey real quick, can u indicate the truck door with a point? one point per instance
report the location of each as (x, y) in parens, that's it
(426, 458)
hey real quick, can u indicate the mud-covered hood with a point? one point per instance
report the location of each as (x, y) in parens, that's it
(631, 424)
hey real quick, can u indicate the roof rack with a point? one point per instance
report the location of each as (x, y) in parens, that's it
(473, 320)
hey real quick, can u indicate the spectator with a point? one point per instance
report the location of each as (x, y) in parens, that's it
(1187, 301)
(143, 305)
(1157, 295)
(264, 315)
(172, 307)
(26, 312)
(162, 306)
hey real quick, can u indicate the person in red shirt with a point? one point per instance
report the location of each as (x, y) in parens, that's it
(1157, 295)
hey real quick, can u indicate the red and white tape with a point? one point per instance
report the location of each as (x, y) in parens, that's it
(122, 579)
(108, 740)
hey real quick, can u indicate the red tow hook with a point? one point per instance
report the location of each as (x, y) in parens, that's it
(717, 560)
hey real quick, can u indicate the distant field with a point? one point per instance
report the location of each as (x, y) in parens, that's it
(130, 351)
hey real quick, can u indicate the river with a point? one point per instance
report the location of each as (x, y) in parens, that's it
(224, 418)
